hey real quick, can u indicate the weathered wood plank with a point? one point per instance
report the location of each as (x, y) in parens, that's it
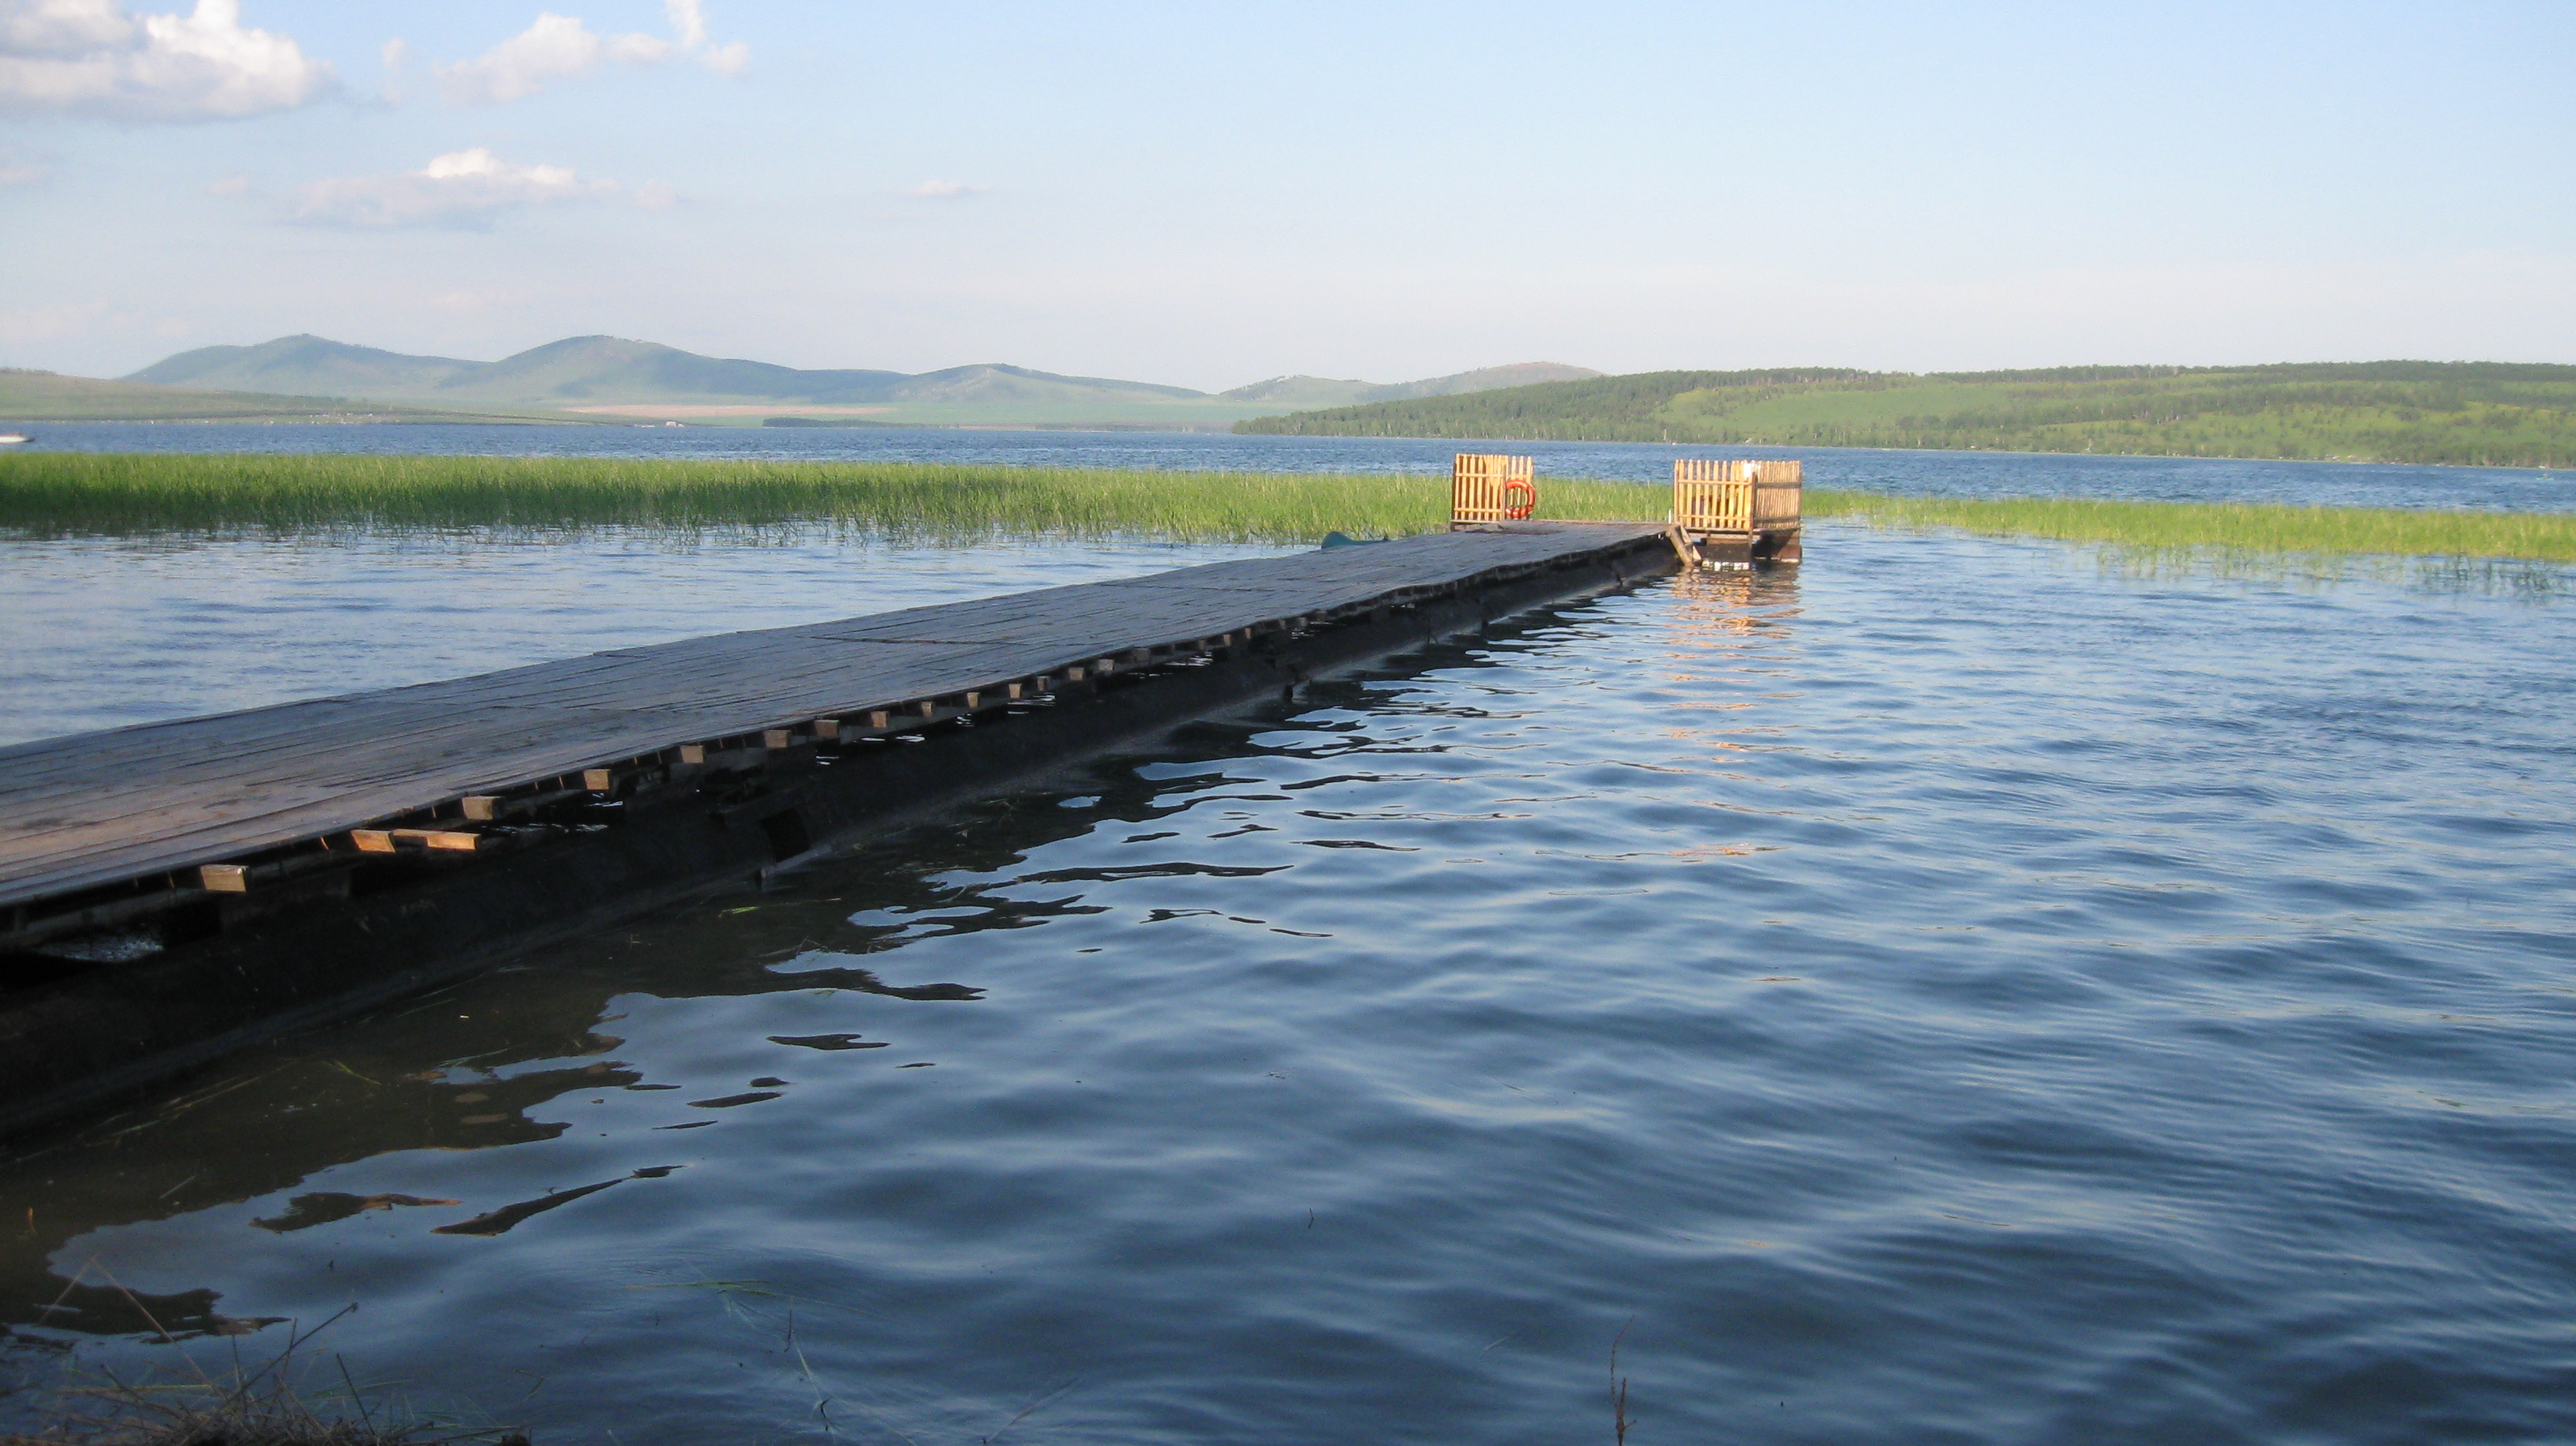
(127, 803)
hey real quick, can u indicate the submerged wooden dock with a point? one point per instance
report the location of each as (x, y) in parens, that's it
(170, 889)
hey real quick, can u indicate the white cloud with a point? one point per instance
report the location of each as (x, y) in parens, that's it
(89, 57)
(557, 47)
(461, 189)
(232, 185)
(945, 191)
(62, 28)
(637, 48)
(21, 173)
(397, 54)
(688, 21)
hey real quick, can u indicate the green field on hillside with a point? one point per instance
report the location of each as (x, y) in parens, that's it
(2460, 413)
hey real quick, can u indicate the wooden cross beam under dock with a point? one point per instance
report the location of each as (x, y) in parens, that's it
(171, 887)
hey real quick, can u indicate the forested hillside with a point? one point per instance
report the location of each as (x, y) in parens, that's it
(2478, 413)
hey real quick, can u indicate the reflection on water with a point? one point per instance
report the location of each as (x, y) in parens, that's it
(1947, 994)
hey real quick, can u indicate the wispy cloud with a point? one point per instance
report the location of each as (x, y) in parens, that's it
(397, 56)
(62, 27)
(555, 47)
(462, 189)
(688, 22)
(945, 191)
(88, 57)
(559, 47)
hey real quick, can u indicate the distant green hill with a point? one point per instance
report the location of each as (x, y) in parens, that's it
(605, 369)
(606, 375)
(1303, 391)
(28, 397)
(2470, 413)
(303, 366)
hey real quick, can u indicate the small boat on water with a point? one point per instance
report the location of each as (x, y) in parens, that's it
(11, 439)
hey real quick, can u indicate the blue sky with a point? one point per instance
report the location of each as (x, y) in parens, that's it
(1209, 195)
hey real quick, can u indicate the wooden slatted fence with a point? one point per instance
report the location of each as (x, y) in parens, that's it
(1492, 488)
(1737, 496)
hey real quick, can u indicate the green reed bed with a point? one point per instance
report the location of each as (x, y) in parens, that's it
(2224, 527)
(100, 494)
(70, 493)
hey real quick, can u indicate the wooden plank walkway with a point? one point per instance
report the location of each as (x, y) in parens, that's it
(99, 809)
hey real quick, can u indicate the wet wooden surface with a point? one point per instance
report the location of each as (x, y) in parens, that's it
(96, 809)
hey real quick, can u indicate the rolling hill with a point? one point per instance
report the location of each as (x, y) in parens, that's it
(1304, 391)
(604, 376)
(588, 369)
(303, 365)
(2469, 413)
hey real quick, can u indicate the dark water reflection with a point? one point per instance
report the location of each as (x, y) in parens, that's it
(1956, 995)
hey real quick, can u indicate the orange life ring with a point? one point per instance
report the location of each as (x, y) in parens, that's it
(1519, 510)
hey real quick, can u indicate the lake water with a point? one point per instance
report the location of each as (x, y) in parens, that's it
(1952, 992)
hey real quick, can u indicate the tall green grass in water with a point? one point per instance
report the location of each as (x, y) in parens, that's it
(72, 493)
(2173, 529)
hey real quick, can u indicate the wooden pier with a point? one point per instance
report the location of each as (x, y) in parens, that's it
(171, 890)
(1738, 511)
(1726, 513)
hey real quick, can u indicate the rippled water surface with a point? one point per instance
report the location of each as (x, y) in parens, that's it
(1949, 994)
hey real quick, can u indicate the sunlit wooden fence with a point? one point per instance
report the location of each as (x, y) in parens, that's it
(1737, 497)
(1486, 488)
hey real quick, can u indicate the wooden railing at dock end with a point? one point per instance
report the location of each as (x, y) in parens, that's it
(1491, 488)
(1756, 505)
